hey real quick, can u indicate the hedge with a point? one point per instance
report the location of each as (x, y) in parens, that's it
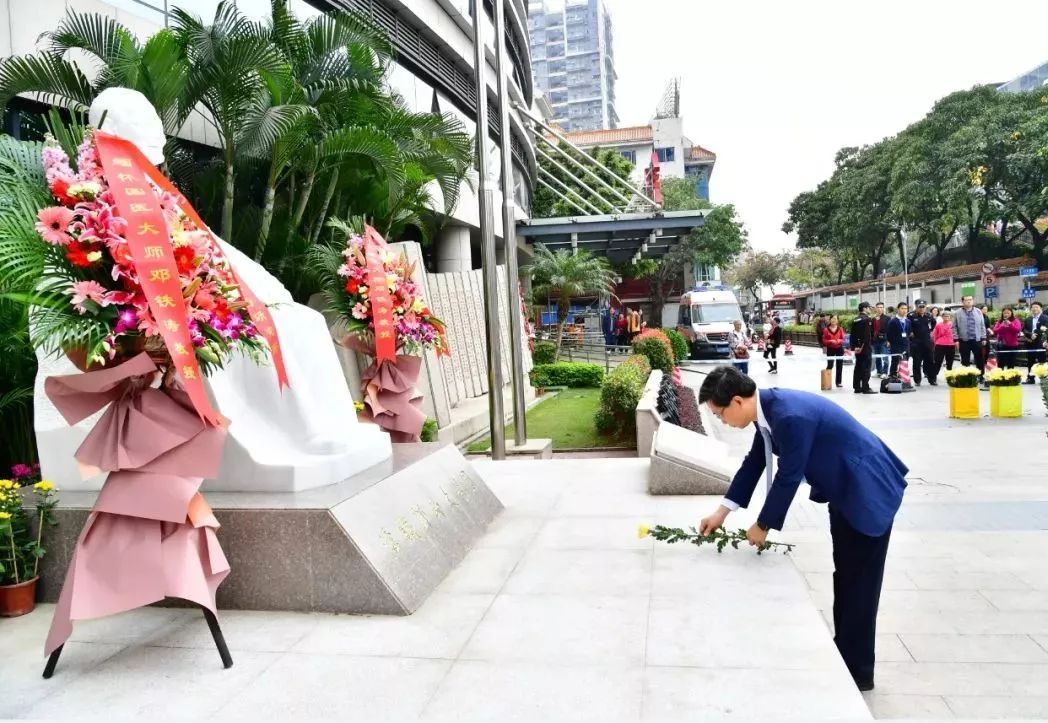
(619, 396)
(567, 374)
(679, 344)
(656, 346)
(641, 362)
(545, 352)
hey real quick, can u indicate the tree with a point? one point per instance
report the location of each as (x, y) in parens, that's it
(756, 269)
(548, 201)
(114, 57)
(568, 275)
(717, 242)
(808, 268)
(233, 69)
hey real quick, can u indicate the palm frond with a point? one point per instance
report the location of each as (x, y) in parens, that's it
(54, 80)
(369, 142)
(100, 35)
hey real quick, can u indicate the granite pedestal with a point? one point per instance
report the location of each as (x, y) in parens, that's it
(688, 463)
(378, 542)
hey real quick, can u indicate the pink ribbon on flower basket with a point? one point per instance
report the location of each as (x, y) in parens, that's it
(389, 390)
(150, 534)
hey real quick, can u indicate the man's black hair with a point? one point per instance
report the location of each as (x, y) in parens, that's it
(725, 383)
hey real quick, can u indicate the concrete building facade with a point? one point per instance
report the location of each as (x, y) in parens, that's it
(433, 70)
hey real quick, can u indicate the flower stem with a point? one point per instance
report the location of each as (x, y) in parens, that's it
(719, 537)
(14, 559)
(41, 512)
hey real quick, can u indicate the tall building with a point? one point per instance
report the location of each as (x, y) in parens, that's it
(571, 49)
(1027, 81)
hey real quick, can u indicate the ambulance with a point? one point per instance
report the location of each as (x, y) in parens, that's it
(705, 317)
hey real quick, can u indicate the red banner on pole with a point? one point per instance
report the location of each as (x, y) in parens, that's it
(260, 315)
(150, 243)
(381, 300)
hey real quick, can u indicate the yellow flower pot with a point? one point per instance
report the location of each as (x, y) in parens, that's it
(1006, 401)
(964, 402)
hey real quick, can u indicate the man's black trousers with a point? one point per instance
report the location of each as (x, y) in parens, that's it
(858, 563)
(863, 369)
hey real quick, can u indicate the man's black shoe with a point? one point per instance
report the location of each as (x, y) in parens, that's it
(933, 383)
(864, 686)
(868, 391)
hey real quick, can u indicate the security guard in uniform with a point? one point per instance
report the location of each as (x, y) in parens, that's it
(922, 324)
(862, 345)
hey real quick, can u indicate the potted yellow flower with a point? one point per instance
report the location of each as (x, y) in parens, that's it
(1041, 372)
(20, 544)
(964, 392)
(1006, 396)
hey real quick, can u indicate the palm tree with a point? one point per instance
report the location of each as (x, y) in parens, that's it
(233, 67)
(114, 57)
(569, 275)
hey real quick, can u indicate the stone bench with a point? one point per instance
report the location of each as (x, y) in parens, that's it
(688, 463)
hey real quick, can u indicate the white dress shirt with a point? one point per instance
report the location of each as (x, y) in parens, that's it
(765, 430)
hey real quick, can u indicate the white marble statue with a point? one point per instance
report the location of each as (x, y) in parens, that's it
(303, 437)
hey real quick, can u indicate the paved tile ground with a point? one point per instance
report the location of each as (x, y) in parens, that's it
(559, 613)
(963, 625)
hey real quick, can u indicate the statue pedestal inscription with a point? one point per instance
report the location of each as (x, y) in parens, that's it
(378, 542)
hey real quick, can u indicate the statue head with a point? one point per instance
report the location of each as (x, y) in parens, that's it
(127, 113)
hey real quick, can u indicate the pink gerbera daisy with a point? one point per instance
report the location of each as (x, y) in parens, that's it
(53, 225)
(87, 291)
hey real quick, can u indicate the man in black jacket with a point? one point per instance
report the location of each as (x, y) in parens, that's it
(880, 339)
(922, 324)
(1035, 338)
(862, 345)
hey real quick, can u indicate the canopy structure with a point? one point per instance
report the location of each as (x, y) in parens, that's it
(618, 237)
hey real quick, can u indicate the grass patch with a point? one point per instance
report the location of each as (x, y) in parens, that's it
(567, 419)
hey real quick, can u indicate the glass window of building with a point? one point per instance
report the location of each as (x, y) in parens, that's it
(630, 156)
(666, 155)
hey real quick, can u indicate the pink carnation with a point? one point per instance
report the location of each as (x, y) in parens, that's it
(360, 311)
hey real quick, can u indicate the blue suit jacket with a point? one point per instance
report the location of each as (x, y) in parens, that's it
(817, 441)
(899, 335)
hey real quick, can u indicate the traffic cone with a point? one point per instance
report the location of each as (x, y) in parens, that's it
(789, 348)
(760, 345)
(904, 375)
(991, 364)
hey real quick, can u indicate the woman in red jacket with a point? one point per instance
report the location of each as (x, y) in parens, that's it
(833, 342)
(1007, 332)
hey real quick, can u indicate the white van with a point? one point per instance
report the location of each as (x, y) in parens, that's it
(705, 317)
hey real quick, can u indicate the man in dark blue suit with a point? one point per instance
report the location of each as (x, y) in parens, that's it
(846, 465)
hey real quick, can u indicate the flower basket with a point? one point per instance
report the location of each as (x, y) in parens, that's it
(963, 378)
(1006, 401)
(964, 402)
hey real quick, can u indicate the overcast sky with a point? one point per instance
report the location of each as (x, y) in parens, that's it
(774, 88)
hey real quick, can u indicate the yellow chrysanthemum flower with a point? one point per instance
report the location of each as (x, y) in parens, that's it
(44, 486)
(643, 531)
(5, 484)
(5, 515)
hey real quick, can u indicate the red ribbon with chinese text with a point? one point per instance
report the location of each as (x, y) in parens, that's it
(257, 310)
(380, 298)
(150, 244)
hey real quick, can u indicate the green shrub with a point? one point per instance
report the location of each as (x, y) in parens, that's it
(545, 352)
(619, 395)
(679, 344)
(429, 431)
(567, 374)
(656, 346)
(641, 362)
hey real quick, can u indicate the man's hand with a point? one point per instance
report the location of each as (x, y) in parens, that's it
(756, 535)
(711, 523)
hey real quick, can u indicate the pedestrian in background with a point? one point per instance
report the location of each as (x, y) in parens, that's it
(944, 342)
(969, 329)
(1007, 331)
(833, 341)
(936, 314)
(880, 339)
(862, 345)
(921, 346)
(739, 345)
(772, 345)
(819, 328)
(899, 337)
(1035, 337)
